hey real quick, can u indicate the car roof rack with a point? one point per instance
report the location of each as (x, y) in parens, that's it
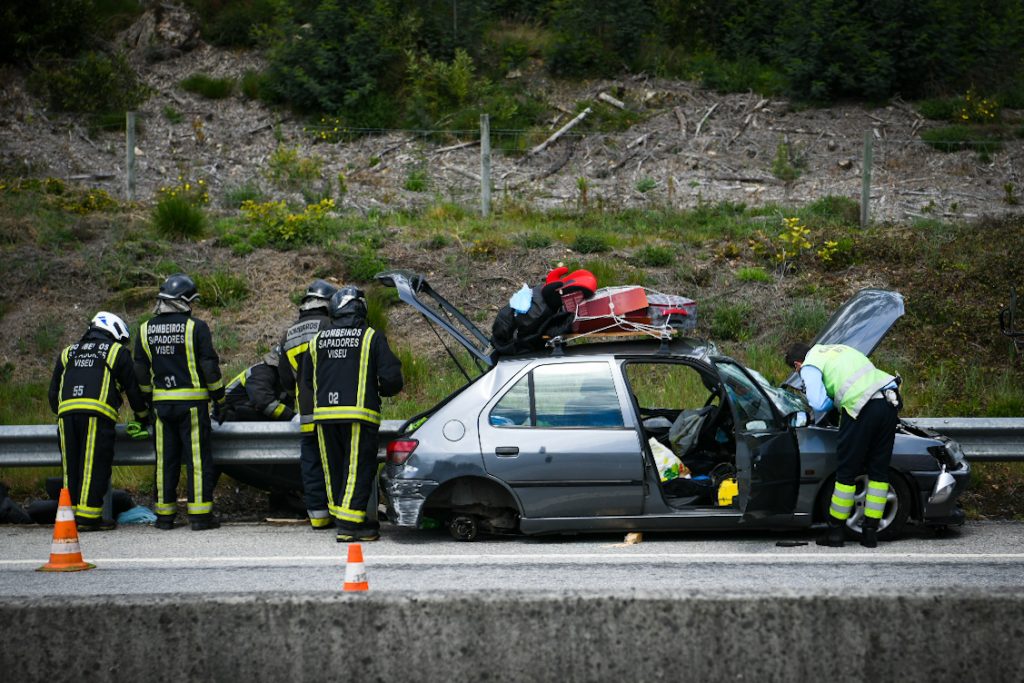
(663, 334)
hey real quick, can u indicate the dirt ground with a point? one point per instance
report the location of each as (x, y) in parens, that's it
(690, 147)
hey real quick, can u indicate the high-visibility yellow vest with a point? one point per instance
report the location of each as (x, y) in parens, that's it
(850, 378)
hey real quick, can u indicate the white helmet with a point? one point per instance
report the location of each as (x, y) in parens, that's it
(108, 322)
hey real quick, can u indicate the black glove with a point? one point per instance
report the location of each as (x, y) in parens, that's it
(219, 412)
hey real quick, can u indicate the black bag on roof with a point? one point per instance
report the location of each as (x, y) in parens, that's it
(514, 333)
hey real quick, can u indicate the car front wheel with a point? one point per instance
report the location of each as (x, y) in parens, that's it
(897, 508)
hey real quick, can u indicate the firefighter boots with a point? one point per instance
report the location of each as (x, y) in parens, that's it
(833, 537)
(869, 533)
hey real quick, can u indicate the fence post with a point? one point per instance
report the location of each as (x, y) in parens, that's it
(485, 165)
(129, 156)
(865, 188)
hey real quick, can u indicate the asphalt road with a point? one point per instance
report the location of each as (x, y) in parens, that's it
(255, 558)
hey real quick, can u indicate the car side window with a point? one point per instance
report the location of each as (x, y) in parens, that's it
(562, 395)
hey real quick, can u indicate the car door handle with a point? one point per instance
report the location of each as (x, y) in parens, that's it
(507, 451)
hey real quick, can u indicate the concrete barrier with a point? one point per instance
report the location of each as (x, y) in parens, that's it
(513, 637)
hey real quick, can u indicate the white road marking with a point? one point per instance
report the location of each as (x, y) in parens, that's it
(544, 559)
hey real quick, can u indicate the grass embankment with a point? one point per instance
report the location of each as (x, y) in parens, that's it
(764, 277)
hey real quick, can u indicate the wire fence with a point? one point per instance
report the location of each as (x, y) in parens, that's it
(670, 161)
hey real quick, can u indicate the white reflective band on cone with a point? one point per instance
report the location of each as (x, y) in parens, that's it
(65, 547)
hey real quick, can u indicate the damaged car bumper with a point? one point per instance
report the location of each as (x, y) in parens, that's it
(405, 499)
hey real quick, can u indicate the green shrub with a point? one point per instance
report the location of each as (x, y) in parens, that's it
(253, 85)
(278, 226)
(732, 322)
(835, 210)
(94, 83)
(532, 240)
(340, 58)
(753, 274)
(30, 28)
(956, 138)
(489, 247)
(784, 166)
(590, 243)
(378, 301)
(436, 241)
(417, 180)
(739, 75)
(46, 337)
(176, 217)
(209, 87)
(222, 289)
(173, 115)
(610, 273)
(656, 256)
(237, 195)
(804, 319)
(233, 24)
(288, 169)
(362, 263)
(645, 185)
(937, 108)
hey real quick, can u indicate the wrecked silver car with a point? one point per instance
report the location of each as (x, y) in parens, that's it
(573, 438)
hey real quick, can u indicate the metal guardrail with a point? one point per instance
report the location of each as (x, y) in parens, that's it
(983, 439)
(233, 442)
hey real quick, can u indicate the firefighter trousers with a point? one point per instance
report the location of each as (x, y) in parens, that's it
(314, 487)
(183, 434)
(87, 453)
(349, 454)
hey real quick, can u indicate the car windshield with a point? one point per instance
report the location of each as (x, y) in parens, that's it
(786, 401)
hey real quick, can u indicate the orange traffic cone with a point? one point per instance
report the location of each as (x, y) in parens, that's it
(65, 553)
(355, 572)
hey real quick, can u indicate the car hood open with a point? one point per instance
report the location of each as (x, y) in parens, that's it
(862, 322)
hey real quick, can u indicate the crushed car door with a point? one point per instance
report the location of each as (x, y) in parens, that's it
(767, 455)
(558, 438)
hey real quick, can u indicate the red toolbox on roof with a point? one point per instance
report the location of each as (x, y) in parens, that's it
(622, 308)
(600, 311)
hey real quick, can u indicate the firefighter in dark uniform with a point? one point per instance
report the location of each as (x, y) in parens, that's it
(350, 367)
(256, 394)
(313, 317)
(175, 360)
(85, 394)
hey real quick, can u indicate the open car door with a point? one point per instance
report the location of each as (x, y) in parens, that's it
(414, 290)
(767, 455)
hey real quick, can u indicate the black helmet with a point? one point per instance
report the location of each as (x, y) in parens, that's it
(320, 289)
(179, 286)
(348, 300)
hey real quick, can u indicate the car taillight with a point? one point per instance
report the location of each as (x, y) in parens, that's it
(400, 450)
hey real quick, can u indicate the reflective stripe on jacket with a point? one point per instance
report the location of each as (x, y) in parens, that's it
(90, 375)
(350, 367)
(340, 355)
(849, 377)
(176, 361)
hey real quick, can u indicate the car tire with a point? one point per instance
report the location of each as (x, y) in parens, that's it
(897, 509)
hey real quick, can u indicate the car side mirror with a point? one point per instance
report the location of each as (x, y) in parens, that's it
(798, 418)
